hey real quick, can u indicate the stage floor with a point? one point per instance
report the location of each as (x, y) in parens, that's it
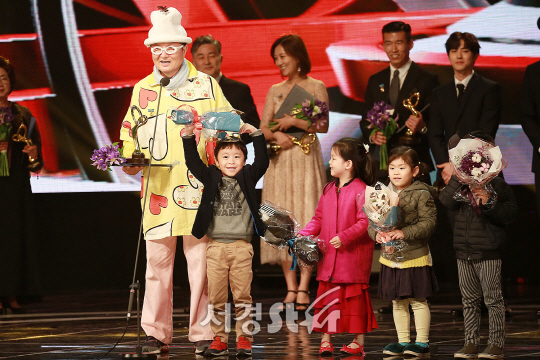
(85, 325)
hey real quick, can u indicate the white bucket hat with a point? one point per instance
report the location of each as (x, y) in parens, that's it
(167, 27)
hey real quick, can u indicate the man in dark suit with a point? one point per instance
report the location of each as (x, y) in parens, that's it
(207, 58)
(393, 85)
(530, 119)
(469, 102)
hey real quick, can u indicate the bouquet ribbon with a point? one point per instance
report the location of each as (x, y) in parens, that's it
(290, 243)
(185, 117)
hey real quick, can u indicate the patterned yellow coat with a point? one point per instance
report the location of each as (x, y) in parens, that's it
(173, 193)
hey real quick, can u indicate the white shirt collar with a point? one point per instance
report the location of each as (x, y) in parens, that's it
(464, 81)
(402, 72)
(218, 78)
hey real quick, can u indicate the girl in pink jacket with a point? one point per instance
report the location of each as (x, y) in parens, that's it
(343, 304)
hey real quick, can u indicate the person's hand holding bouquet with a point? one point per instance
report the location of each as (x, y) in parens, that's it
(475, 161)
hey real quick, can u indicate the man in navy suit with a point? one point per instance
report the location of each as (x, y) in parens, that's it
(396, 83)
(467, 103)
(207, 58)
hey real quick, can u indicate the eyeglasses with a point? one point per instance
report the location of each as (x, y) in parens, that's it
(156, 50)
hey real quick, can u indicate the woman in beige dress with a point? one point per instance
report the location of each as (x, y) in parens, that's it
(294, 179)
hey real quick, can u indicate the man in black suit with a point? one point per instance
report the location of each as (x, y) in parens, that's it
(469, 102)
(530, 119)
(207, 58)
(393, 85)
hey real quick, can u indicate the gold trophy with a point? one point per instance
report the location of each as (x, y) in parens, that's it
(137, 158)
(304, 143)
(20, 136)
(411, 138)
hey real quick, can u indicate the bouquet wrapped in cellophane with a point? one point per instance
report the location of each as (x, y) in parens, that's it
(381, 208)
(281, 231)
(222, 119)
(475, 163)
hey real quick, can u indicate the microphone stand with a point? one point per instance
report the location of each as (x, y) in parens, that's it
(135, 286)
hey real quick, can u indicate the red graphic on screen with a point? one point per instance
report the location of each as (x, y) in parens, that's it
(145, 96)
(157, 202)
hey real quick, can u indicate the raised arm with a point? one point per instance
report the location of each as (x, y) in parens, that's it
(193, 161)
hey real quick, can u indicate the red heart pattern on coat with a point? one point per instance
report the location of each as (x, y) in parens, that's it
(157, 202)
(145, 96)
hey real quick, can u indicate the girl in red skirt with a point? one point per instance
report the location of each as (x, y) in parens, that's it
(343, 304)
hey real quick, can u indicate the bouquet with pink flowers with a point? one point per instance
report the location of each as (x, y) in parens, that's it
(475, 163)
(381, 120)
(315, 112)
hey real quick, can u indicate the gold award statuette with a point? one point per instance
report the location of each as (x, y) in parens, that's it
(137, 158)
(411, 138)
(304, 143)
(20, 136)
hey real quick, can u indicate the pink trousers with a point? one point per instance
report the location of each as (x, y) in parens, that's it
(158, 305)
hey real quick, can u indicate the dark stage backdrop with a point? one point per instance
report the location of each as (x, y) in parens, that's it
(77, 61)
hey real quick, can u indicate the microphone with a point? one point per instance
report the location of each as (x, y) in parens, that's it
(164, 81)
(135, 285)
(130, 304)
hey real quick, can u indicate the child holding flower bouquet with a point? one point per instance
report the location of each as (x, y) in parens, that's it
(479, 235)
(343, 273)
(409, 279)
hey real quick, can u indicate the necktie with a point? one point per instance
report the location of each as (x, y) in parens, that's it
(461, 89)
(394, 88)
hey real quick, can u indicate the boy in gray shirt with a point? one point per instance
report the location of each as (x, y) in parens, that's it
(227, 215)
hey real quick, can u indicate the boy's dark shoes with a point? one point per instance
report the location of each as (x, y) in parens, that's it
(394, 349)
(217, 348)
(201, 346)
(469, 351)
(492, 352)
(154, 346)
(243, 347)
(416, 350)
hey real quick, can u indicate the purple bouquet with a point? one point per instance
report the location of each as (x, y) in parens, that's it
(107, 156)
(381, 120)
(315, 112)
(474, 163)
(6, 117)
